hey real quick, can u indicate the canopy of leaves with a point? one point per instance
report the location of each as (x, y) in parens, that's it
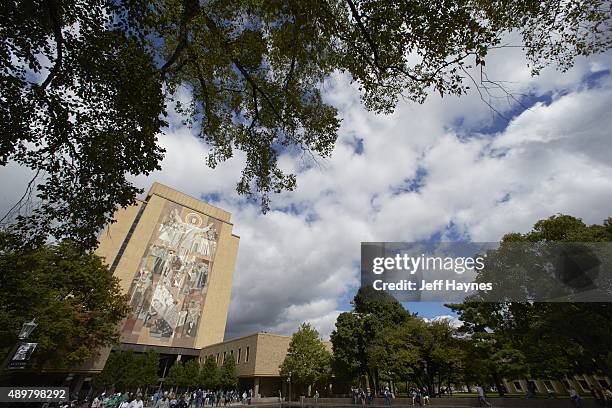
(428, 354)
(75, 300)
(373, 313)
(209, 376)
(125, 370)
(349, 359)
(307, 359)
(85, 83)
(543, 340)
(176, 375)
(228, 379)
(192, 373)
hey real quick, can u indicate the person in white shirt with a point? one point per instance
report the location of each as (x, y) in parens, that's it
(574, 397)
(137, 403)
(481, 397)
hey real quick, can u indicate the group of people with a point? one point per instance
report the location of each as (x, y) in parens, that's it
(420, 398)
(195, 399)
(118, 400)
(359, 396)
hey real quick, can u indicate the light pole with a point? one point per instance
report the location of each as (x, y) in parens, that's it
(26, 329)
(289, 381)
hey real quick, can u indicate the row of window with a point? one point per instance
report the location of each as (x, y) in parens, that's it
(549, 386)
(220, 359)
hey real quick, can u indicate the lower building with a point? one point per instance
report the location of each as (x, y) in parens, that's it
(258, 357)
(583, 384)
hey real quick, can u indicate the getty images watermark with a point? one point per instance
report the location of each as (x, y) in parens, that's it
(489, 271)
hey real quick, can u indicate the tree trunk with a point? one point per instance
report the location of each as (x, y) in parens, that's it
(498, 385)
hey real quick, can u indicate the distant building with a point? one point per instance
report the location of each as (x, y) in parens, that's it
(175, 257)
(583, 384)
(258, 357)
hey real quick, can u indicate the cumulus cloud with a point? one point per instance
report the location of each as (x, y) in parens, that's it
(453, 321)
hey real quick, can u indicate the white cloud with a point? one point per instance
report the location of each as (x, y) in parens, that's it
(453, 321)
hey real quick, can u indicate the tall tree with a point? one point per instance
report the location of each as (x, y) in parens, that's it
(117, 370)
(373, 312)
(307, 359)
(75, 300)
(228, 377)
(348, 352)
(426, 353)
(209, 374)
(176, 376)
(85, 83)
(543, 340)
(395, 352)
(192, 374)
(148, 364)
(128, 371)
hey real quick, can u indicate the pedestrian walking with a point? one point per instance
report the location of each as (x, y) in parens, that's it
(163, 402)
(387, 395)
(481, 397)
(418, 398)
(198, 399)
(608, 397)
(137, 403)
(574, 397)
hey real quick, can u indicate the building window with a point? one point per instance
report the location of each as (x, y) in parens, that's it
(517, 385)
(224, 354)
(239, 353)
(548, 385)
(247, 355)
(584, 385)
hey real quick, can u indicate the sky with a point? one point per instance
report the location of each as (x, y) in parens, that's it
(449, 169)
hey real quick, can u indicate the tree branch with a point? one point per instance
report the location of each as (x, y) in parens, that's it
(365, 32)
(190, 9)
(19, 203)
(481, 95)
(293, 57)
(53, 8)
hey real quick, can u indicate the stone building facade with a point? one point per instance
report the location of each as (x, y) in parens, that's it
(258, 358)
(175, 257)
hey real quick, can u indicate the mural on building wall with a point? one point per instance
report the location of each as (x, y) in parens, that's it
(168, 290)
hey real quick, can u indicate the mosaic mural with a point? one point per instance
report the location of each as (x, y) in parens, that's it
(168, 291)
